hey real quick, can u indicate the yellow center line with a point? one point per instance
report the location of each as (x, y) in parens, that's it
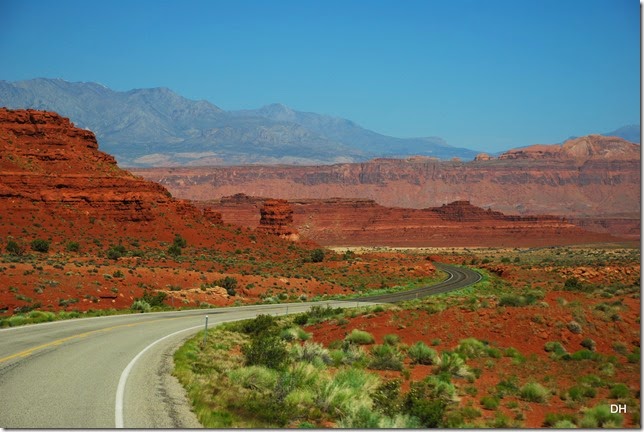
(57, 342)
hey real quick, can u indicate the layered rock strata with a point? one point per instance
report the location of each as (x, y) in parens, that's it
(360, 222)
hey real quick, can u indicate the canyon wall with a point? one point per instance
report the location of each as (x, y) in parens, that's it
(362, 222)
(591, 177)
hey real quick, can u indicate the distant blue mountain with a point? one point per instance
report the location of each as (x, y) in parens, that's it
(630, 133)
(157, 127)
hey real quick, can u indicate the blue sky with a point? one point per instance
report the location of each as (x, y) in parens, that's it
(483, 74)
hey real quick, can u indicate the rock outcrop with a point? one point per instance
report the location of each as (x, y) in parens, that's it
(361, 222)
(52, 171)
(276, 217)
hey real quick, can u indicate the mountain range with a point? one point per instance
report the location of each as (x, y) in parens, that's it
(158, 127)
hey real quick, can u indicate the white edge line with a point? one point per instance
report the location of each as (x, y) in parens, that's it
(120, 390)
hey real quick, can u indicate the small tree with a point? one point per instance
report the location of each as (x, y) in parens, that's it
(14, 248)
(317, 255)
(174, 250)
(229, 283)
(40, 245)
(180, 241)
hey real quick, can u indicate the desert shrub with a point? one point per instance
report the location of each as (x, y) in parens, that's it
(391, 339)
(634, 356)
(619, 391)
(564, 424)
(317, 314)
(453, 364)
(154, 300)
(580, 392)
(268, 351)
(490, 402)
(294, 333)
(422, 354)
(115, 252)
(312, 352)
(600, 416)
(14, 248)
(261, 325)
(385, 357)
(360, 337)
(141, 306)
(40, 245)
(254, 377)
(555, 348)
(572, 284)
(174, 250)
(554, 418)
(72, 246)
(471, 348)
(574, 327)
(585, 354)
(428, 400)
(352, 354)
(534, 392)
(229, 283)
(386, 397)
(179, 241)
(317, 255)
(589, 344)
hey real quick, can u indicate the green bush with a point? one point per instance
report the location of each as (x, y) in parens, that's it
(471, 348)
(268, 351)
(391, 339)
(40, 245)
(312, 352)
(534, 392)
(116, 251)
(490, 402)
(589, 344)
(453, 364)
(386, 397)
(179, 241)
(619, 391)
(580, 392)
(261, 325)
(585, 354)
(14, 248)
(360, 337)
(254, 377)
(72, 246)
(428, 400)
(317, 255)
(141, 306)
(386, 357)
(555, 348)
(600, 416)
(174, 250)
(420, 353)
(554, 418)
(229, 283)
(153, 300)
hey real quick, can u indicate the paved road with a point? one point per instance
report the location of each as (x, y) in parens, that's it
(458, 277)
(114, 371)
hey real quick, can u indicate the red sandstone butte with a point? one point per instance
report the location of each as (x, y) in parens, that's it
(276, 217)
(360, 222)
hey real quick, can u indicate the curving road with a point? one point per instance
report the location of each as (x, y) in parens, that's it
(459, 277)
(115, 371)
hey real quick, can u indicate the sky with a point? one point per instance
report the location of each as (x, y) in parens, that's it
(483, 74)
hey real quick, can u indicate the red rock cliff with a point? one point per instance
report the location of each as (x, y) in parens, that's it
(52, 171)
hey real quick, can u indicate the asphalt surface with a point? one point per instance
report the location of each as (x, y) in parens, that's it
(115, 371)
(458, 277)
